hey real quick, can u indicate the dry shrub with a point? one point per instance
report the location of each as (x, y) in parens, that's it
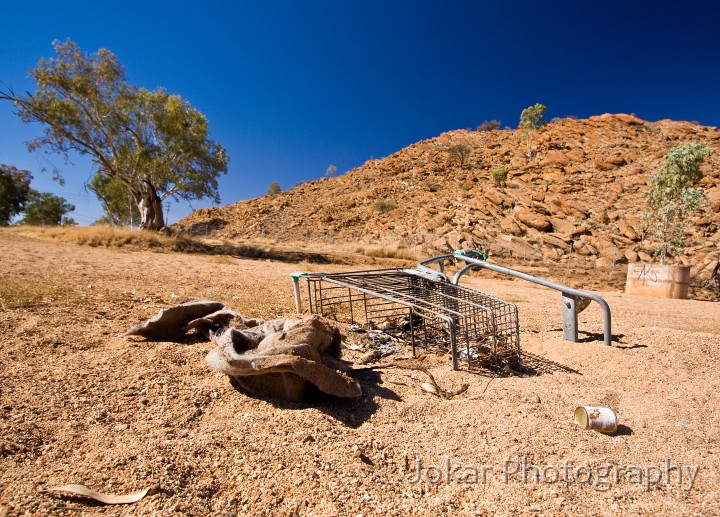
(390, 252)
(220, 259)
(385, 206)
(310, 267)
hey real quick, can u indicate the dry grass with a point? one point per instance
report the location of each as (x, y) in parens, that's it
(389, 252)
(220, 259)
(218, 251)
(512, 298)
(104, 236)
(111, 237)
(309, 267)
(48, 291)
(706, 329)
(17, 295)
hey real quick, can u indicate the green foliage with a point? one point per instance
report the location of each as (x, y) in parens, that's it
(118, 204)
(45, 209)
(385, 206)
(153, 143)
(274, 189)
(488, 125)
(14, 192)
(673, 196)
(530, 119)
(499, 175)
(331, 171)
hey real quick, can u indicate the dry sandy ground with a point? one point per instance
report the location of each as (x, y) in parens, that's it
(80, 405)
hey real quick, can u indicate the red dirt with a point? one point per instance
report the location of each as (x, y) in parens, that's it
(80, 405)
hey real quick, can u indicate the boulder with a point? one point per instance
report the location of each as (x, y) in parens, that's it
(510, 226)
(454, 240)
(556, 242)
(644, 257)
(559, 205)
(620, 239)
(565, 227)
(713, 196)
(617, 160)
(577, 155)
(584, 247)
(554, 178)
(537, 195)
(607, 249)
(555, 158)
(630, 120)
(533, 220)
(603, 165)
(512, 246)
(440, 244)
(631, 256)
(603, 263)
(493, 196)
(627, 230)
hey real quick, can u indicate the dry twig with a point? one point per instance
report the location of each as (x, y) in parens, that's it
(434, 387)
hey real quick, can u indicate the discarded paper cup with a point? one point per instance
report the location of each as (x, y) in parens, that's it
(599, 419)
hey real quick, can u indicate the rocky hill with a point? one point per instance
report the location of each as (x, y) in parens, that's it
(579, 196)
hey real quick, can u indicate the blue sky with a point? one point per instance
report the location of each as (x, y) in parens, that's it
(292, 87)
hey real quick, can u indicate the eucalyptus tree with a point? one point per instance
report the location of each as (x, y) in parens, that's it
(530, 119)
(118, 204)
(14, 192)
(46, 209)
(673, 195)
(152, 143)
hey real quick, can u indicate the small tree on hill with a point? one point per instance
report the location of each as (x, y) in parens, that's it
(499, 175)
(673, 196)
(530, 119)
(274, 189)
(331, 171)
(14, 192)
(459, 154)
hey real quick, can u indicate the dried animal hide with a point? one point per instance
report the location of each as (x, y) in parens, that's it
(217, 321)
(267, 358)
(205, 316)
(279, 357)
(170, 323)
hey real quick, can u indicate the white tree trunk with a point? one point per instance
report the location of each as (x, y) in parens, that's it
(150, 208)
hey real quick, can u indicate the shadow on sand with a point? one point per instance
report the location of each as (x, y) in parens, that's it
(351, 412)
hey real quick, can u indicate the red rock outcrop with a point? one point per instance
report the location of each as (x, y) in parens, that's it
(582, 188)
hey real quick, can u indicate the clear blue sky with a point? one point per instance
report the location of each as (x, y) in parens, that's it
(291, 87)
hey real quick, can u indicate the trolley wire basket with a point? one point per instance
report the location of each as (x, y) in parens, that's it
(422, 309)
